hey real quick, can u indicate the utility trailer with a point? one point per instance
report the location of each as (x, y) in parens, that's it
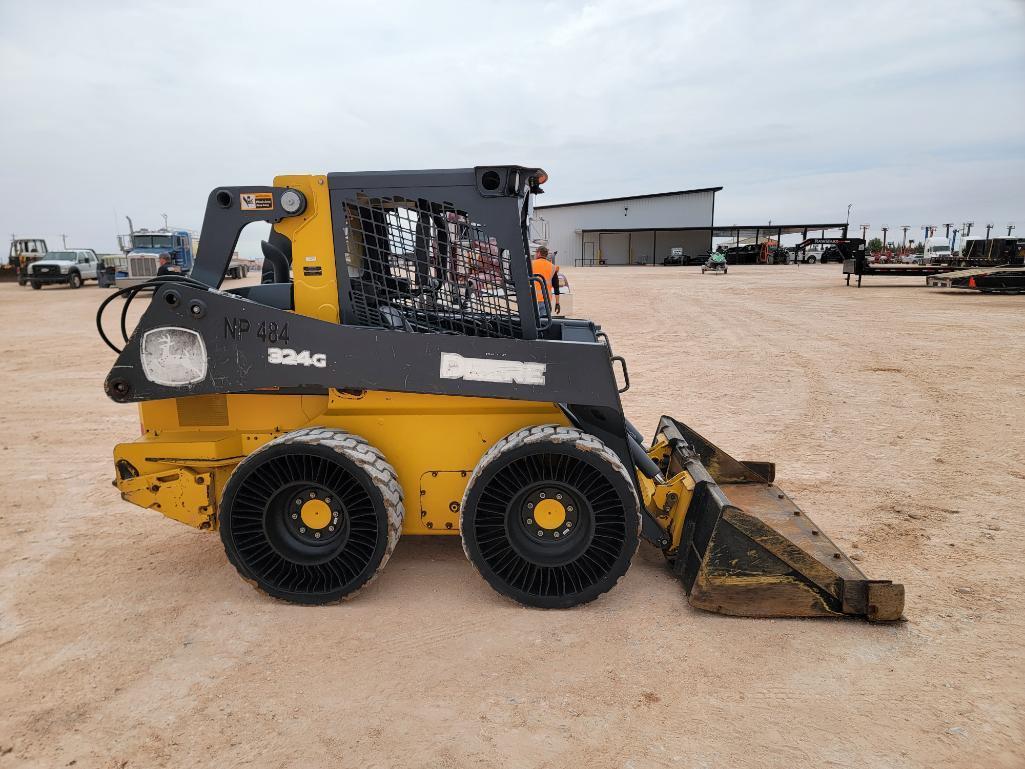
(1002, 255)
(989, 280)
(856, 263)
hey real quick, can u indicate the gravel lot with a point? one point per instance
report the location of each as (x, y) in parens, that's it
(894, 413)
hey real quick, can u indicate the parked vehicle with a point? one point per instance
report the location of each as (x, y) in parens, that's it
(716, 262)
(677, 260)
(830, 254)
(237, 268)
(811, 254)
(144, 248)
(937, 251)
(71, 268)
(23, 252)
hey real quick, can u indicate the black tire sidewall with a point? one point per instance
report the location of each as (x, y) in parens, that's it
(253, 464)
(75, 280)
(628, 499)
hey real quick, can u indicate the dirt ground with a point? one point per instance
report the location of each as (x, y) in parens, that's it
(894, 414)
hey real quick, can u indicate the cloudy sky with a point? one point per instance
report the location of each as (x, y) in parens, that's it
(912, 111)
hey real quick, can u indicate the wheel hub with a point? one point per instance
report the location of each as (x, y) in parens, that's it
(314, 515)
(549, 513)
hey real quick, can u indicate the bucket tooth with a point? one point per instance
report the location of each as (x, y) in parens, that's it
(748, 550)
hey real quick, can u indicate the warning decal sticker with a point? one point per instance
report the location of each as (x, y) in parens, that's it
(257, 201)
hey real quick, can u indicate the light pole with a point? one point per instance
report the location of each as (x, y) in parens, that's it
(885, 244)
(864, 232)
(64, 240)
(849, 207)
(165, 220)
(966, 229)
(904, 237)
(1009, 228)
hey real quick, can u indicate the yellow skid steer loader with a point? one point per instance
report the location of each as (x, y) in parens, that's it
(395, 373)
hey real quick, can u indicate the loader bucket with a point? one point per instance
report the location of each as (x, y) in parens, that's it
(748, 550)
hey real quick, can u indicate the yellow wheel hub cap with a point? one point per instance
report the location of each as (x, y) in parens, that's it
(316, 514)
(550, 514)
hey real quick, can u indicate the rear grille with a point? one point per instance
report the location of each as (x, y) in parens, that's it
(202, 411)
(424, 266)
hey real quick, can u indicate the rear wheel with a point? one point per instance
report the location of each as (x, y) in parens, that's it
(312, 516)
(36, 285)
(550, 517)
(810, 260)
(75, 280)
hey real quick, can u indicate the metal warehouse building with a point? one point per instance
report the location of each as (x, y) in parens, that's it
(639, 229)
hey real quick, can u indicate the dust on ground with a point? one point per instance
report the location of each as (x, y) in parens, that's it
(894, 414)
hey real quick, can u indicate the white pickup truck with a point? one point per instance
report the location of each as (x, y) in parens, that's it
(72, 267)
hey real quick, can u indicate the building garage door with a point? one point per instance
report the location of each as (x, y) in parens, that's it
(614, 247)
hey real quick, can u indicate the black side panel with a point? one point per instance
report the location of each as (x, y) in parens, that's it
(241, 337)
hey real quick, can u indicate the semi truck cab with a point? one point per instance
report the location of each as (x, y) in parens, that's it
(145, 247)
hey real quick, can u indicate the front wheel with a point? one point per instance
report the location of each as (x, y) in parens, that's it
(75, 280)
(810, 260)
(311, 517)
(550, 517)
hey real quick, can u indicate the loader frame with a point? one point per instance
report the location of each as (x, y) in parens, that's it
(368, 333)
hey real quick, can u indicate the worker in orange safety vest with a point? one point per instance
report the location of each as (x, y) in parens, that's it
(542, 265)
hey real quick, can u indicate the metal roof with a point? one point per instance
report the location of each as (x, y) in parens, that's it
(750, 230)
(631, 197)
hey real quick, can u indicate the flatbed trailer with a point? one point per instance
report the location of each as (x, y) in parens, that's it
(856, 263)
(859, 267)
(1002, 279)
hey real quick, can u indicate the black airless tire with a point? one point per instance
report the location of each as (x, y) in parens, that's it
(550, 517)
(312, 516)
(75, 280)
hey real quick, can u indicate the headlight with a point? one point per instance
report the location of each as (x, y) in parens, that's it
(173, 357)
